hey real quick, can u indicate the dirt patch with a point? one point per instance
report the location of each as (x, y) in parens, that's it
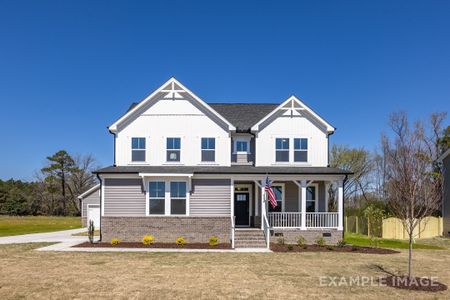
(155, 245)
(316, 248)
(414, 283)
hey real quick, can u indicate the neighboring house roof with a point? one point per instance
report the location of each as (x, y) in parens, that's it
(90, 191)
(172, 89)
(443, 156)
(235, 169)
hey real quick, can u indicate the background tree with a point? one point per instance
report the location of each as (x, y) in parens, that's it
(60, 167)
(413, 185)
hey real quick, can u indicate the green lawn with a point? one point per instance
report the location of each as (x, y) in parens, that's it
(31, 224)
(363, 240)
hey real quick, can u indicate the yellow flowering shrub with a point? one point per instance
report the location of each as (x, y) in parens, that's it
(147, 240)
(115, 241)
(213, 241)
(180, 241)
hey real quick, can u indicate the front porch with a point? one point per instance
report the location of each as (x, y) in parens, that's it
(305, 207)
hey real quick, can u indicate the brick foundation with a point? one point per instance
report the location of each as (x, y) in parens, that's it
(291, 235)
(166, 229)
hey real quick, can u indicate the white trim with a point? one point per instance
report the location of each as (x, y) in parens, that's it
(303, 106)
(87, 213)
(177, 162)
(244, 139)
(167, 198)
(443, 156)
(327, 197)
(250, 199)
(340, 204)
(166, 174)
(172, 80)
(103, 198)
(89, 191)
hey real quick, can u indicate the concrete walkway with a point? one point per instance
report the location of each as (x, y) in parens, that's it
(50, 237)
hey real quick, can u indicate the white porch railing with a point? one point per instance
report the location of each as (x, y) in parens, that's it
(285, 219)
(322, 220)
(313, 220)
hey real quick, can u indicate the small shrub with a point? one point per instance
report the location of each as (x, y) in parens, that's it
(305, 246)
(341, 243)
(320, 242)
(213, 241)
(330, 248)
(290, 247)
(115, 241)
(354, 248)
(301, 241)
(281, 240)
(91, 230)
(148, 239)
(180, 241)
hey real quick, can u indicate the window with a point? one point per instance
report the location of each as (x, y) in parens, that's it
(241, 146)
(177, 198)
(300, 150)
(282, 150)
(208, 149)
(137, 149)
(157, 196)
(173, 147)
(311, 204)
(278, 191)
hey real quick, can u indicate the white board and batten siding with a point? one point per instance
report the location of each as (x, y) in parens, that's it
(292, 127)
(210, 197)
(178, 118)
(126, 197)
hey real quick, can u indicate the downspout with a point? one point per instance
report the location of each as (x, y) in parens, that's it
(114, 146)
(101, 201)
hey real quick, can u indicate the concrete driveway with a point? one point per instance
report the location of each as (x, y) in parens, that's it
(64, 236)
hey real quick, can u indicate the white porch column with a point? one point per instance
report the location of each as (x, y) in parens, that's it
(263, 207)
(232, 198)
(256, 201)
(340, 204)
(303, 195)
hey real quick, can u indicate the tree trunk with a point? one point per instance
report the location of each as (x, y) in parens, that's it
(410, 255)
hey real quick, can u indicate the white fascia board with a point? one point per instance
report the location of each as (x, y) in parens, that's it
(113, 127)
(166, 174)
(328, 126)
(88, 192)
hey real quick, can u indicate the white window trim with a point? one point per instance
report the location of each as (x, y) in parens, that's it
(181, 151)
(241, 139)
(130, 158)
(291, 151)
(300, 150)
(316, 195)
(283, 190)
(167, 198)
(201, 150)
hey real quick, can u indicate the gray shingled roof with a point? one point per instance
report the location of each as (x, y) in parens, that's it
(236, 169)
(242, 115)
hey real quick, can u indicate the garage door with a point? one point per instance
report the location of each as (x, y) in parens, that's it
(93, 213)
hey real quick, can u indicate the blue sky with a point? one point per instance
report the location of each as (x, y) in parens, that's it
(68, 69)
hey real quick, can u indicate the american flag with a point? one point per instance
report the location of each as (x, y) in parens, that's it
(270, 194)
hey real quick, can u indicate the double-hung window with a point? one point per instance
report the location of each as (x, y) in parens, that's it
(282, 150)
(241, 146)
(138, 149)
(173, 147)
(278, 191)
(177, 197)
(300, 150)
(157, 197)
(208, 149)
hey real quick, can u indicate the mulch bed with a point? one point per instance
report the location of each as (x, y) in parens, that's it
(154, 245)
(414, 283)
(315, 248)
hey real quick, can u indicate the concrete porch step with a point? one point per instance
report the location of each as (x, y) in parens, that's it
(249, 238)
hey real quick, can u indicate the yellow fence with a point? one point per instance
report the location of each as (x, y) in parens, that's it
(392, 228)
(429, 227)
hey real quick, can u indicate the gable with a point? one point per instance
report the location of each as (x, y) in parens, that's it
(172, 98)
(294, 108)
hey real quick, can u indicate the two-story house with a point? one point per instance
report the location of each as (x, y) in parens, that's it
(183, 167)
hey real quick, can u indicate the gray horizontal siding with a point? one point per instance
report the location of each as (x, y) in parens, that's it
(210, 197)
(124, 197)
(93, 198)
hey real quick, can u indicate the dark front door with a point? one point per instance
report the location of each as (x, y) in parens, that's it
(241, 208)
